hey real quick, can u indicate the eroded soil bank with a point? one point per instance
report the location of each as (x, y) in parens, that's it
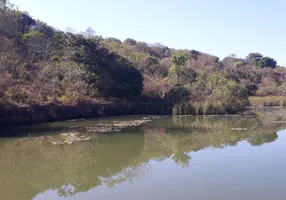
(15, 115)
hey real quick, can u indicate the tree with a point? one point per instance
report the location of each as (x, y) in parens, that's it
(25, 22)
(37, 59)
(155, 87)
(179, 59)
(108, 73)
(260, 61)
(182, 159)
(45, 29)
(130, 41)
(253, 56)
(70, 30)
(3, 4)
(265, 62)
(218, 91)
(89, 33)
(178, 94)
(34, 40)
(178, 73)
(194, 54)
(8, 24)
(112, 39)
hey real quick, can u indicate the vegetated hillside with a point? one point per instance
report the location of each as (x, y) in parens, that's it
(39, 65)
(260, 74)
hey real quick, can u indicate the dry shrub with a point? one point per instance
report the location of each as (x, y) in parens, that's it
(155, 87)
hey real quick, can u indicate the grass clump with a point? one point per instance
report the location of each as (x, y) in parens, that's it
(268, 101)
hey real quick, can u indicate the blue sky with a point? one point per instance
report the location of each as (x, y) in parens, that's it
(218, 27)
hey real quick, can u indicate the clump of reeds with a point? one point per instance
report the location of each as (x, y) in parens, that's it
(202, 108)
(268, 101)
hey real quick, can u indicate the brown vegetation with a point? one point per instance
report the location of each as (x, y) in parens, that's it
(40, 65)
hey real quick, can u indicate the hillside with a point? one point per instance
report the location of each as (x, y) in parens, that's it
(40, 65)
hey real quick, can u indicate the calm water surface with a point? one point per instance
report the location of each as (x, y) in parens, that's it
(174, 157)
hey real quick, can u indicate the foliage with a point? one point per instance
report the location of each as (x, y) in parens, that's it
(32, 34)
(178, 73)
(178, 94)
(179, 59)
(258, 60)
(130, 41)
(265, 62)
(40, 64)
(155, 87)
(216, 92)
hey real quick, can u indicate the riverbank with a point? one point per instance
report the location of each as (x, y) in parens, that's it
(15, 115)
(59, 111)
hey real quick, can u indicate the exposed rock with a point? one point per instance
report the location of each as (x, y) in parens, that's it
(239, 129)
(54, 143)
(70, 138)
(279, 122)
(117, 126)
(152, 117)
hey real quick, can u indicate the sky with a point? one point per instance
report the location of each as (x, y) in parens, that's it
(217, 27)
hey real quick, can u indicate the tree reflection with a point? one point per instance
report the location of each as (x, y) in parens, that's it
(182, 159)
(33, 166)
(260, 139)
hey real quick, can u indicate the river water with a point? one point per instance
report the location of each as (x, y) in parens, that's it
(171, 157)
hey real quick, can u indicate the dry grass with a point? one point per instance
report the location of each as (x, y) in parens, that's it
(268, 101)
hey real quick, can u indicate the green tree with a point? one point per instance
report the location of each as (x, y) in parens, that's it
(260, 61)
(218, 92)
(108, 73)
(265, 62)
(178, 94)
(179, 74)
(130, 41)
(179, 59)
(34, 40)
(195, 54)
(253, 56)
(182, 159)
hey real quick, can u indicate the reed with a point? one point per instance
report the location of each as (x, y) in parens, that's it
(268, 101)
(203, 108)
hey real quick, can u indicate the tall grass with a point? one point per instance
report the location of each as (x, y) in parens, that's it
(268, 101)
(203, 108)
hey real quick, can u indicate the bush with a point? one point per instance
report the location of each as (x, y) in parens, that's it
(155, 87)
(221, 92)
(178, 94)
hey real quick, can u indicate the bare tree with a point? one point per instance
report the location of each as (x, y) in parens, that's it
(3, 4)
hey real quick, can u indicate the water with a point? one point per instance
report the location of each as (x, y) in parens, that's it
(179, 157)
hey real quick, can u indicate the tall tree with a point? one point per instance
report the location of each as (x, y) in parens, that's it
(179, 74)
(3, 4)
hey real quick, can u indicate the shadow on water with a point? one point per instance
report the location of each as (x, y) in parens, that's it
(31, 165)
(78, 125)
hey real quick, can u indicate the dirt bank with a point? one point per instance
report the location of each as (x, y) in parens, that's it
(15, 115)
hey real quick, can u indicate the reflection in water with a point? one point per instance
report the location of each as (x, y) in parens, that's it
(31, 165)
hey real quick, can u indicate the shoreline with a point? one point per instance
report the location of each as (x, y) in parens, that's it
(16, 116)
(11, 115)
